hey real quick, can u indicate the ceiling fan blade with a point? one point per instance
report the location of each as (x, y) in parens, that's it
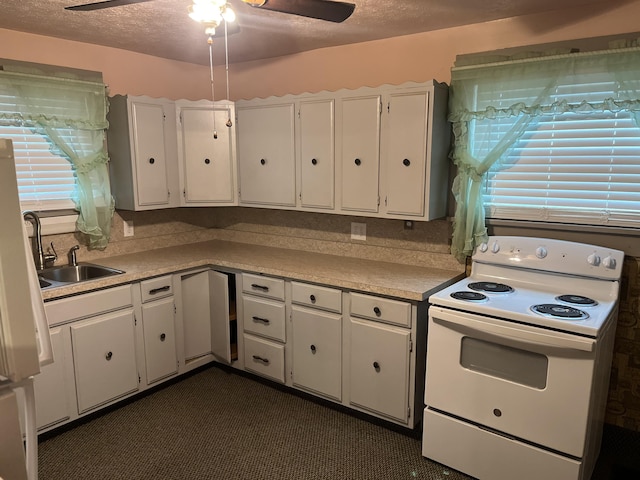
(85, 7)
(321, 9)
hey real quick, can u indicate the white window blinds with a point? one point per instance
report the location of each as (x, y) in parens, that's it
(45, 181)
(571, 167)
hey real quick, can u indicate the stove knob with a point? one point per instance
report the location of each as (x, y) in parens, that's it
(483, 247)
(609, 262)
(495, 248)
(541, 252)
(593, 259)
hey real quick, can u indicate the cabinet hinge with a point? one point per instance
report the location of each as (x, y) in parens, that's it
(408, 412)
(175, 310)
(139, 379)
(410, 346)
(135, 320)
(388, 107)
(184, 193)
(180, 117)
(378, 200)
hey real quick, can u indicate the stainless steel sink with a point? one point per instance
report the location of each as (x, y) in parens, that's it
(74, 274)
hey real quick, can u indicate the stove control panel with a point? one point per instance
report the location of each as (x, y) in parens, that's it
(552, 256)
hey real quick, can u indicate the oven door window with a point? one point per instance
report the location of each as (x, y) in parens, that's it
(512, 364)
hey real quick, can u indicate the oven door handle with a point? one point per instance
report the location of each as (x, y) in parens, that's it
(516, 334)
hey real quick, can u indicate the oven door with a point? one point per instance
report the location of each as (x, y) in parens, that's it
(523, 381)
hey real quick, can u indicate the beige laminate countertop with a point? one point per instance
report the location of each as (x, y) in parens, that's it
(381, 278)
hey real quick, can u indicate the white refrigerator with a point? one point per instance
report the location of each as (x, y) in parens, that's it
(25, 345)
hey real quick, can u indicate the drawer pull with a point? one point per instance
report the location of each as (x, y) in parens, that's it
(376, 366)
(312, 298)
(377, 311)
(108, 356)
(264, 288)
(313, 348)
(162, 337)
(260, 319)
(260, 359)
(153, 291)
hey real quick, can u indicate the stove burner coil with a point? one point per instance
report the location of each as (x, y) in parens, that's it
(555, 310)
(490, 287)
(577, 300)
(469, 296)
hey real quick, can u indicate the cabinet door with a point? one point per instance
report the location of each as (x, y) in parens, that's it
(208, 165)
(196, 314)
(404, 153)
(379, 370)
(316, 154)
(360, 155)
(266, 155)
(220, 321)
(52, 384)
(317, 351)
(159, 339)
(105, 359)
(148, 122)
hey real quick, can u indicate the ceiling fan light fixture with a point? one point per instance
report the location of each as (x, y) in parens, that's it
(255, 3)
(211, 12)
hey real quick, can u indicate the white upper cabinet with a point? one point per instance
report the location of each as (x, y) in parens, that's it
(316, 153)
(143, 155)
(266, 154)
(206, 153)
(359, 139)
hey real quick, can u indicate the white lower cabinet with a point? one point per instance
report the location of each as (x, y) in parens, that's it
(52, 384)
(158, 327)
(317, 351)
(104, 355)
(206, 306)
(264, 326)
(379, 368)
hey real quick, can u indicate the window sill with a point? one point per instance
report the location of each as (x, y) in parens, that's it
(54, 224)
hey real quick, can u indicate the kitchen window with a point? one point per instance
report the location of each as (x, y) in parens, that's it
(57, 125)
(546, 139)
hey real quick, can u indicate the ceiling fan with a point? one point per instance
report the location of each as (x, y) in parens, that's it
(329, 10)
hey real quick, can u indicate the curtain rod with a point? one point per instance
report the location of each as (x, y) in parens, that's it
(49, 77)
(548, 57)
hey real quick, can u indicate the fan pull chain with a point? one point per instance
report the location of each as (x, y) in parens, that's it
(213, 97)
(226, 63)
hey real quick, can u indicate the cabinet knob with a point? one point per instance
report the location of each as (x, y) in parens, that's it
(376, 365)
(312, 298)
(162, 337)
(108, 355)
(313, 348)
(377, 311)
(314, 161)
(207, 161)
(152, 160)
(357, 161)
(406, 162)
(262, 161)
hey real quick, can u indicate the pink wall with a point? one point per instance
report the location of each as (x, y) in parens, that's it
(410, 58)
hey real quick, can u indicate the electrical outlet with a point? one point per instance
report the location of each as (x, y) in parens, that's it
(358, 231)
(128, 228)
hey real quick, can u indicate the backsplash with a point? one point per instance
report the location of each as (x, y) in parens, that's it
(427, 244)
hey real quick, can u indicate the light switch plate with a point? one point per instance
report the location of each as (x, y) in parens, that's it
(358, 231)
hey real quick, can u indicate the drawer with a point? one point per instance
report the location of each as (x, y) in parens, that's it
(263, 286)
(264, 358)
(88, 305)
(155, 288)
(382, 309)
(315, 296)
(264, 317)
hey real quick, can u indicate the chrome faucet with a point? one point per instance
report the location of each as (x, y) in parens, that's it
(73, 260)
(42, 260)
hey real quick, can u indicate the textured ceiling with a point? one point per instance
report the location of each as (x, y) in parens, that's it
(162, 27)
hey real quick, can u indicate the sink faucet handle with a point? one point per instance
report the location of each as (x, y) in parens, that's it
(73, 260)
(49, 258)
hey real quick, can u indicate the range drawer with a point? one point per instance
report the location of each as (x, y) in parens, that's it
(87, 305)
(264, 358)
(263, 286)
(315, 296)
(381, 309)
(264, 317)
(155, 288)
